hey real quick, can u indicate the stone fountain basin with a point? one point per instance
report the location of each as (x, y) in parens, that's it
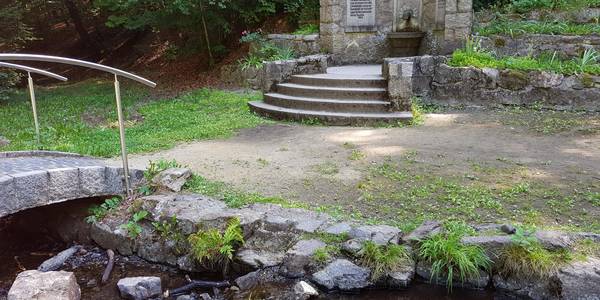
(403, 44)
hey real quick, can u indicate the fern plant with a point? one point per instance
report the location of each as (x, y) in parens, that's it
(212, 248)
(98, 212)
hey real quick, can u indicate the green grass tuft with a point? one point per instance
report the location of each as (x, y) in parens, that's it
(382, 259)
(451, 259)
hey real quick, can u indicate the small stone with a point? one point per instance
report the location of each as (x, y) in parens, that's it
(378, 234)
(91, 283)
(205, 296)
(172, 179)
(352, 246)
(247, 281)
(305, 290)
(139, 288)
(401, 277)
(427, 229)
(508, 229)
(4, 141)
(343, 275)
(299, 257)
(34, 284)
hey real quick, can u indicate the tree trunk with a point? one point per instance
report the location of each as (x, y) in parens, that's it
(84, 36)
(206, 37)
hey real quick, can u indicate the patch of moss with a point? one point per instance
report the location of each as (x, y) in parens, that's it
(499, 42)
(587, 80)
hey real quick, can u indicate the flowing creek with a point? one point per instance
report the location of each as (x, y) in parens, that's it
(29, 238)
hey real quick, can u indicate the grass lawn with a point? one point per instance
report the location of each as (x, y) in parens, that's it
(81, 118)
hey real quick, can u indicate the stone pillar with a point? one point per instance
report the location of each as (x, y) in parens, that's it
(399, 74)
(458, 23)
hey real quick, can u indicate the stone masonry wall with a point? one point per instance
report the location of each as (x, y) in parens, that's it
(354, 47)
(566, 46)
(434, 81)
(302, 45)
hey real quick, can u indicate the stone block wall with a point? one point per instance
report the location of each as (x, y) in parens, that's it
(565, 46)
(347, 45)
(430, 78)
(302, 45)
(446, 24)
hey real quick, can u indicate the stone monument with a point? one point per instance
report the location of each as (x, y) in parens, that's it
(363, 31)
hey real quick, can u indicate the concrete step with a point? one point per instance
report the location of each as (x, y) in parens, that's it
(330, 118)
(333, 105)
(324, 92)
(334, 80)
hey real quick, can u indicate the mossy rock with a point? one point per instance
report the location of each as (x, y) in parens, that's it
(587, 80)
(500, 42)
(513, 80)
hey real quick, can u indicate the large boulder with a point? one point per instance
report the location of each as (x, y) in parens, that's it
(304, 290)
(172, 179)
(35, 284)
(527, 288)
(492, 244)
(343, 275)
(140, 288)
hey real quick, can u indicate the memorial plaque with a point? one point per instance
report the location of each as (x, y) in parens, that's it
(360, 15)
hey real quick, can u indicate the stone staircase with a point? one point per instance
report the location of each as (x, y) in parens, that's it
(333, 99)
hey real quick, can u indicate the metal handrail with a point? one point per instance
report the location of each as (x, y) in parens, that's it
(114, 71)
(33, 70)
(32, 91)
(76, 62)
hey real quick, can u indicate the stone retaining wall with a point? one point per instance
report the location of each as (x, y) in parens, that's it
(565, 46)
(301, 44)
(430, 78)
(273, 72)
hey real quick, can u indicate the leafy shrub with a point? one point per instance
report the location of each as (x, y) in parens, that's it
(382, 259)
(213, 248)
(450, 258)
(307, 29)
(261, 50)
(169, 230)
(98, 212)
(134, 229)
(526, 258)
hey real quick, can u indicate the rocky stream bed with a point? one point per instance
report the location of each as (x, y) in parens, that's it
(276, 260)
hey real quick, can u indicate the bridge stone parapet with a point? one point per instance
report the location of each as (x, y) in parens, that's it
(37, 178)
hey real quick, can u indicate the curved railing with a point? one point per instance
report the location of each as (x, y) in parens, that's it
(91, 65)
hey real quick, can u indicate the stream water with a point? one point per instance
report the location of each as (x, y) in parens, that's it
(26, 240)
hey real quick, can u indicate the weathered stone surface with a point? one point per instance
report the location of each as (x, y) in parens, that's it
(140, 288)
(402, 276)
(301, 220)
(378, 234)
(63, 183)
(108, 238)
(305, 290)
(492, 245)
(44, 285)
(513, 80)
(580, 280)
(339, 228)
(343, 275)
(352, 246)
(545, 79)
(58, 260)
(527, 288)
(299, 257)
(427, 229)
(260, 259)
(480, 282)
(252, 279)
(567, 46)
(172, 179)
(302, 45)
(554, 240)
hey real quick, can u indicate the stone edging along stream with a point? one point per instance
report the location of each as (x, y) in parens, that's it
(280, 244)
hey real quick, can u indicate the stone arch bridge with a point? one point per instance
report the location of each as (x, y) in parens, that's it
(31, 179)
